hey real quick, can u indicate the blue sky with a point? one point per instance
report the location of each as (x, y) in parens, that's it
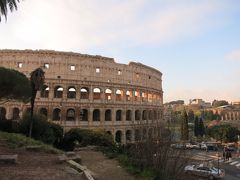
(195, 44)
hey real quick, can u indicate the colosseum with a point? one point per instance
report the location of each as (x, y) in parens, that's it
(90, 91)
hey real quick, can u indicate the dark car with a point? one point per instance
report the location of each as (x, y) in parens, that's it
(212, 148)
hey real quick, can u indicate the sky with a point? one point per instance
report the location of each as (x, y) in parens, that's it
(195, 44)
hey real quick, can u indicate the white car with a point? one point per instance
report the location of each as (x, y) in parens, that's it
(204, 171)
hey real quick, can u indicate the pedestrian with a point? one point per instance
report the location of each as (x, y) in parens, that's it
(230, 155)
(224, 155)
(227, 155)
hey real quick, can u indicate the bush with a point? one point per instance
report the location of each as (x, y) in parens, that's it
(42, 130)
(84, 137)
(6, 125)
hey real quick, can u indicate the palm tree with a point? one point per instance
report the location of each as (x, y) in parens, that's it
(6, 5)
(37, 80)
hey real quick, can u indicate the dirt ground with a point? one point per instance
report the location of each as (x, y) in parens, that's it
(35, 166)
(45, 166)
(102, 167)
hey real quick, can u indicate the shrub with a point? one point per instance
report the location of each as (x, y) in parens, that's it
(42, 130)
(84, 137)
(6, 125)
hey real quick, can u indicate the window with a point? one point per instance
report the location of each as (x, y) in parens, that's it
(20, 64)
(149, 77)
(72, 68)
(119, 72)
(137, 75)
(46, 65)
(97, 70)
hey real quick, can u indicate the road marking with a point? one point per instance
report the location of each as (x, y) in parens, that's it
(221, 160)
(229, 161)
(235, 162)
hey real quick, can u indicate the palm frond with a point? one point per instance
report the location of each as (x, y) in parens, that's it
(6, 5)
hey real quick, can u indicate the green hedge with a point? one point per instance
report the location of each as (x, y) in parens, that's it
(44, 131)
(84, 137)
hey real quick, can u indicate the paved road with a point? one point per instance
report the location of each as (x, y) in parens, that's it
(231, 167)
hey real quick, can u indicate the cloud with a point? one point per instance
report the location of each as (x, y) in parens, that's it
(79, 24)
(234, 55)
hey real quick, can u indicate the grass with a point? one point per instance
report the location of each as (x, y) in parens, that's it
(14, 140)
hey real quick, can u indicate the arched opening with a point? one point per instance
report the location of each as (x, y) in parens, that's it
(144, 133)
(128, 96)
(144, 115)
(108, 94)
(128, 135)
(71, 93)
(108, 115)
(44, 91)
(150, 97)
(150, 133)
(96, 93)
(58, 92)
(2, 113)
(96, 115)
(128, 115)
(44, 112)
(118, 136)
(144, 96)
(16, 113)
(155, 115)
(150, 115)
(137, 115)
(119, 115)
(136, 95)
(137, 135)
(84, 93)
(56, 114)
(70, 115)
(118, 95)
(84, 115)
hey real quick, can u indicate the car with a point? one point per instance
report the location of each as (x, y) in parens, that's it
(204, 171)
(211, 147)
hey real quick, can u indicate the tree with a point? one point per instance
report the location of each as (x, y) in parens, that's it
(37, 80)
(14, 85)
(190, 115)
(184, 125)
(201, 128)
(224, 133)
(6, 5)
(196, 127)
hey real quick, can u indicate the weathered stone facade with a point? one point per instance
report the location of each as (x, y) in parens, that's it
(91, 92)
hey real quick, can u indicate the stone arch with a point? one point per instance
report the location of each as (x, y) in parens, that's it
(150, 97)
(137, 133)
(96, 115)
(136, 95)
(144, 96)
(44, 112)
(118, 136)
(96, 93)
(16, 114)
(109, 132)
(150, 133)
(3, 113)
(128, 136)
(144, 133)
(108, 94)
(128, 95)
(84, 93)
(84, 115)
(58, 92)
(119, 94)
(56, 114)
(44, 91)
(137, 115)
(70, 115)
(119, 115)
(128, 115)
(150, 115)
(108, 115)
(155, 115)
(144, 115)
(71, 94)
